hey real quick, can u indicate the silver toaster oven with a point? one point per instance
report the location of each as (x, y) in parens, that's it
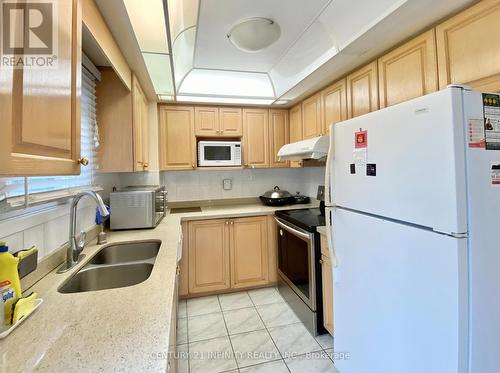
(136, 207)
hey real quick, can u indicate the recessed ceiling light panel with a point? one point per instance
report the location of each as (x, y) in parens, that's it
(254, 34)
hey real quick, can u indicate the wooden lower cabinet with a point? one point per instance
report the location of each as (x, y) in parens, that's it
(224, 254)
(327, 286)
(208, 255)
(184, 264)
(273, 249)
(248, 252)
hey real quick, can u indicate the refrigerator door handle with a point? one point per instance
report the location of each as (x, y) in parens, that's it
(329, 158)
(328, 221)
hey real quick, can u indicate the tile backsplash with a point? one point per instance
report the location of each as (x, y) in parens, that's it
(202, 185)
(48, 228)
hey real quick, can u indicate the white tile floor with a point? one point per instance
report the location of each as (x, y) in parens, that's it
(248, 332)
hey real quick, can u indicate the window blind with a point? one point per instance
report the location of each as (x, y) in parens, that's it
(40, 185)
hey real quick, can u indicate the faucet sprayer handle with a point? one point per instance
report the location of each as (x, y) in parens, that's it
(81, 241)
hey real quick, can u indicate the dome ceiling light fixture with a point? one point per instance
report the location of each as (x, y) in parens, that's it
(254, 34)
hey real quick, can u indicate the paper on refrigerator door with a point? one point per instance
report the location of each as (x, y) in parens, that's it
(476, 133)
(491, 107)
(495, 172)
(360, 156)
(360, 152)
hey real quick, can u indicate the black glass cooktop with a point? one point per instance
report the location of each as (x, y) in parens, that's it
(307, 219)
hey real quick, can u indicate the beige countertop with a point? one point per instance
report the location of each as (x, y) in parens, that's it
(116, 330)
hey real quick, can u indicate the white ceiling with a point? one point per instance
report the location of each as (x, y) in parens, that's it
(216, 17)
(320, 41)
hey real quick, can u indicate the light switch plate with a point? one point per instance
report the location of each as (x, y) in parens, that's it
(227, 184)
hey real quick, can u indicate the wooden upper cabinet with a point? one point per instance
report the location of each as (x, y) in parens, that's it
(206, 121)
(279, 135)
(141, 127)
(469, 48)
(208, 255)
(123, 118)
(115, 123)
(231, 122)
(256, 138)
(409, 71)
(176, 137)
(249, 252)
(295, 115)
(311, 117)
(213, 121)
(334, 101)
(362, 91)
(40, 107)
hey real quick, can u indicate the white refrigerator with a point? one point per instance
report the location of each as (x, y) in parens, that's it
(413, 209)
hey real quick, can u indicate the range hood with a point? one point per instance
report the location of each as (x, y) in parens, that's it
(315, 148)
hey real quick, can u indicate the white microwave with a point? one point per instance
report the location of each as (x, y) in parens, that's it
(219, 153)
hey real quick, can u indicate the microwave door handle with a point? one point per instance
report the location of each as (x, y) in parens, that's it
(164, 194)
(294, 231)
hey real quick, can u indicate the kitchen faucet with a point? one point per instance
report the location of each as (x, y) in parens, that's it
(76, 247)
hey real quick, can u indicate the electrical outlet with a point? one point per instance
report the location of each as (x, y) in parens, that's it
(227, 184)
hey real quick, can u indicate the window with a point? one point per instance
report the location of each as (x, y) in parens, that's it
(43, 188)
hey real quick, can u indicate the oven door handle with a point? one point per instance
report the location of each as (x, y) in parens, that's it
(294, 231)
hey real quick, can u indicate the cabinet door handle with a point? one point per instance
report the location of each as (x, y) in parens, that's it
(321, 261)
(226, 222)
(145, 165)
(193, 166)
(232, 222)
(84, 161)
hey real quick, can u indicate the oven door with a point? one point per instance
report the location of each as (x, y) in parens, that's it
(296, 261)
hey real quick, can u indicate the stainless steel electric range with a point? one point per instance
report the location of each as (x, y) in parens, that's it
(299, 268)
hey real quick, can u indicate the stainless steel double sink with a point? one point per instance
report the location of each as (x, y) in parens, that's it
(114, 266)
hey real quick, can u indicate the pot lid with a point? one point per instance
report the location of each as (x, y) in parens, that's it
(277, 193)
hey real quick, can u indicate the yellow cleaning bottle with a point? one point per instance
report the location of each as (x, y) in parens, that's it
(10, 286)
